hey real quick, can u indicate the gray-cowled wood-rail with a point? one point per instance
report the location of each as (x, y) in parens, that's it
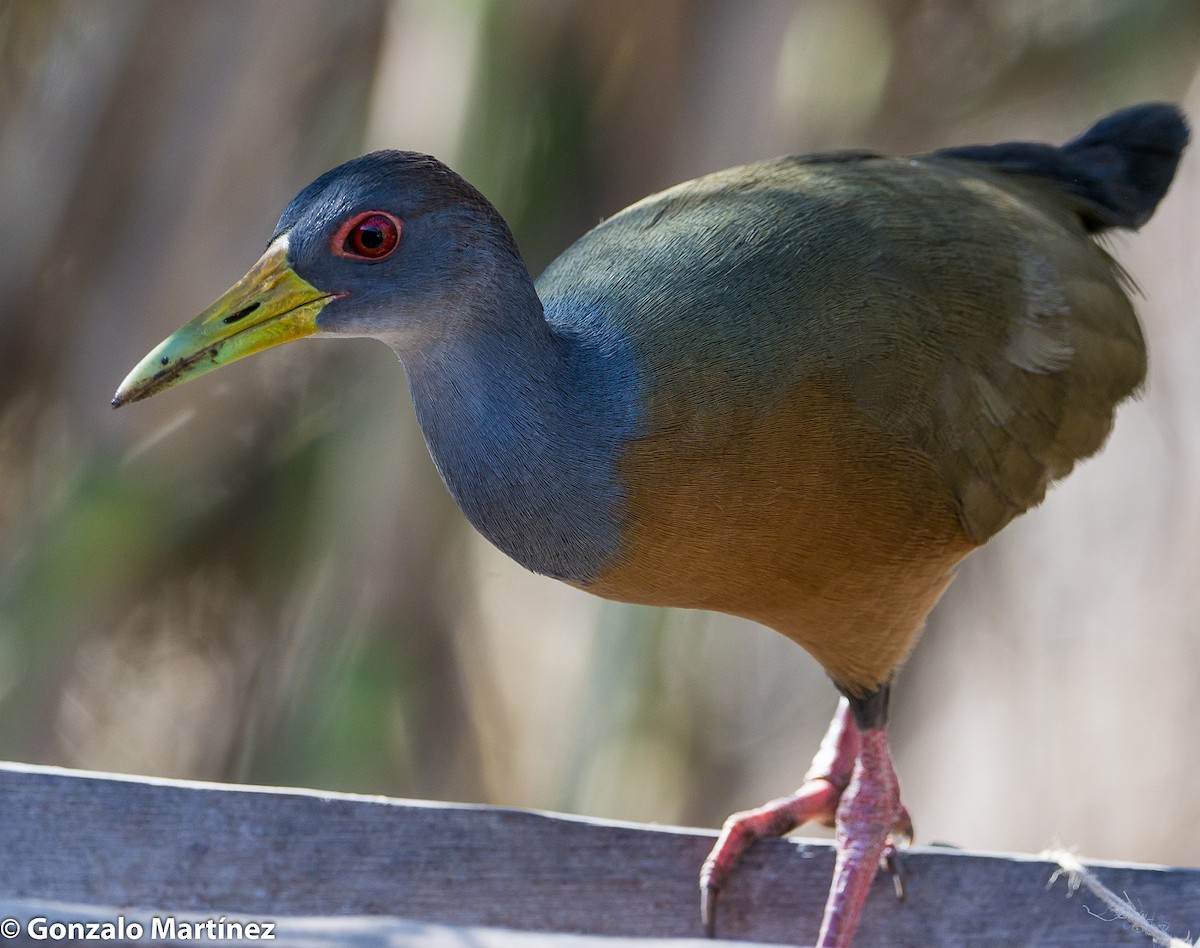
(799, 391)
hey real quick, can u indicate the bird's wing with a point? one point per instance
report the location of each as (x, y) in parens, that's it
(1018, 341)
(967, 312)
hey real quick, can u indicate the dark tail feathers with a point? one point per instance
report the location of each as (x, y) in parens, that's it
(1120, 167)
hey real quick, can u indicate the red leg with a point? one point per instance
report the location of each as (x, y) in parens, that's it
(850, 785)
(869, 813)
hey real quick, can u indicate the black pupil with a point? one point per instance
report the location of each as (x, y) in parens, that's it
(370, 236)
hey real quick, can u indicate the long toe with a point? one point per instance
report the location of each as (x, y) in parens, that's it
(817, 800)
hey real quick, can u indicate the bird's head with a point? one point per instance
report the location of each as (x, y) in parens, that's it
(392, 244)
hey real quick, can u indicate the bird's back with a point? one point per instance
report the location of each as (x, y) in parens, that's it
(855, 369)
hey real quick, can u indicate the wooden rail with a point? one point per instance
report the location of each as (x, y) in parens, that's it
(328, 869)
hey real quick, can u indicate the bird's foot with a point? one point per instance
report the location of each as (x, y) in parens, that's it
(850, 785)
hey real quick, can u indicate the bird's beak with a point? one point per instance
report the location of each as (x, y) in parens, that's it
(269, 305)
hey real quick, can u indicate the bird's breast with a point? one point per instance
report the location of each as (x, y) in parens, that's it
(808, 518)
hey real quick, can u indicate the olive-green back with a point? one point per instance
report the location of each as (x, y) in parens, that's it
(966, 311)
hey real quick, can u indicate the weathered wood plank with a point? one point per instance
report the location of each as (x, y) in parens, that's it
(102, 840)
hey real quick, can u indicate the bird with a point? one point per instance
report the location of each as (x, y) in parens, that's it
(799, 391)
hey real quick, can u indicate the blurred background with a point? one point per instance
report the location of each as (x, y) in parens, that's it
(259, 577)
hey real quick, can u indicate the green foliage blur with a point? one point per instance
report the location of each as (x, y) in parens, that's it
(259, 578)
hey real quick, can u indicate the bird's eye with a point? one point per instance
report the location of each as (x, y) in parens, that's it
(370, 236)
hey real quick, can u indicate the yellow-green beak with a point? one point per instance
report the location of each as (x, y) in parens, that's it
(270, 305)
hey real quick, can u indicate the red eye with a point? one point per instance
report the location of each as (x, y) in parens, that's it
(370, 236)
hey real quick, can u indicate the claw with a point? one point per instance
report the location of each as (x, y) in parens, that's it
(893, 862)
(708, 909)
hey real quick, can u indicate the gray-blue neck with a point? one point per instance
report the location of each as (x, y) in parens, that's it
(526, 423)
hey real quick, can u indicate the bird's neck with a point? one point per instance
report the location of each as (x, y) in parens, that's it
(525, 423)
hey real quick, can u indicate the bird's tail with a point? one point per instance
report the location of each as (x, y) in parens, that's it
(1120, 168)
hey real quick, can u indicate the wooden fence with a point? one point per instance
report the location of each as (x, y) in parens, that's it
(325, 869)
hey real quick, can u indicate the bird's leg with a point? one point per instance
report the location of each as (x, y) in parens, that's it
(816, 801)
(851, 785)
(870, 812)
